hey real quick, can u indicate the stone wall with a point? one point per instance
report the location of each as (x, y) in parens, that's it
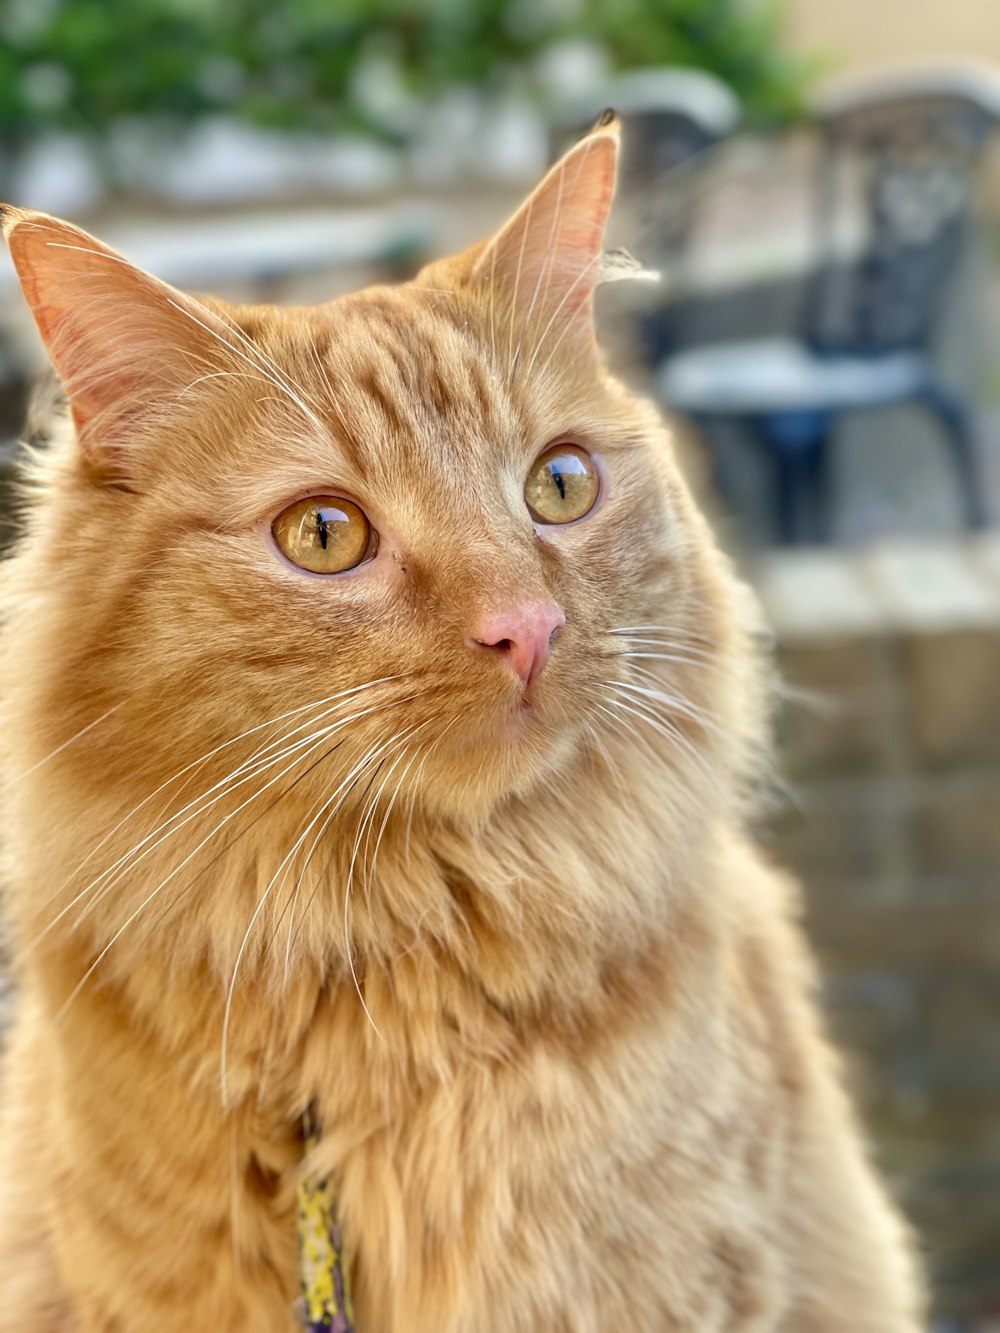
(890, 735)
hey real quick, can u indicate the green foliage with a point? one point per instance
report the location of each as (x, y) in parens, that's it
(81, 64)
(738, 40)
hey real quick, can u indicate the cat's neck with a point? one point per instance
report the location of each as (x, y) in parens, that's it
(459, 940)
(583, 867)
(529, 908)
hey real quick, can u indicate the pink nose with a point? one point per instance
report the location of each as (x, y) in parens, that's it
(523, 636)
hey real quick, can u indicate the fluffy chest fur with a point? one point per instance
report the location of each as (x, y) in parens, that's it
(546, 1151)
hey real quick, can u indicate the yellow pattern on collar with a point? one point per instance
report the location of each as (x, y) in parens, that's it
(324, 1280)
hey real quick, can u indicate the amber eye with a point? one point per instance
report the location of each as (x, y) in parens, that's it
(324, 534)
(562, 485)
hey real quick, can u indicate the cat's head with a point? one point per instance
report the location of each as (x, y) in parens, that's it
(415, 542)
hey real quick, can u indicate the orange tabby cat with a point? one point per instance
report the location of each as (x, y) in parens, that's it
(378, 720)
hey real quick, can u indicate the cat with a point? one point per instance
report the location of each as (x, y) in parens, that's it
(381, 723)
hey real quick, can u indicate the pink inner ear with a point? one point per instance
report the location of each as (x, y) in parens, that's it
(547, 258)
(119, 339)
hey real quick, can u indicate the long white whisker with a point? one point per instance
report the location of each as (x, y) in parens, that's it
(605, 755)
(150, 897)
(268, 362)
(585, 272)
(666, 643)
(526, 227)
(234, 740)
(629, 726)
(335, 399)
(492, 305)
(370, 865)
(675, 639)
(392, 802)
(261, 814)
(19, 777)
(270, 373)
(308, 744)
(544, 268)
(416, 782)
(222, 375)
(347, 902)
(345, 787)
(677, 703)
(669, 732)
(717, 666)
(642, 629)
(660, 657)
(547, 264)
(262, 759)
(282, 872)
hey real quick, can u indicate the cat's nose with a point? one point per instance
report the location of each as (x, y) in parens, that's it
(523, 636)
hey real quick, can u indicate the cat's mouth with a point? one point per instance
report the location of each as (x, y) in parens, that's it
(502, 723)
(528, 708)
(521, 710)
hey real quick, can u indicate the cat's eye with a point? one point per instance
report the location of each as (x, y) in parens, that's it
(324, 534)
(563, 485)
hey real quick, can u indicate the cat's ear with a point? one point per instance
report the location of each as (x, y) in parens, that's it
(123, 344)
(546, 262)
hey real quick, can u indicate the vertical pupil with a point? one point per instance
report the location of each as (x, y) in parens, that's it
(557, 477)
(321, 530)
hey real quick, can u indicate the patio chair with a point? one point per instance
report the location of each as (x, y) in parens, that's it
(899, 154)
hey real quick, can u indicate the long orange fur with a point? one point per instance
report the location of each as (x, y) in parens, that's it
(277, 841)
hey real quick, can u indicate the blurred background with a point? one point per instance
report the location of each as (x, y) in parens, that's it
(819, 186)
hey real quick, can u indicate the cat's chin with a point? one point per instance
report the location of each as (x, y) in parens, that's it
(525, 720)
(501, 753)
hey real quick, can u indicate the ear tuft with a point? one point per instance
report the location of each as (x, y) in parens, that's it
(9, 217)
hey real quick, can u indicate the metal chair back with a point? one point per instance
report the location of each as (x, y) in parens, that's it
(899, 165)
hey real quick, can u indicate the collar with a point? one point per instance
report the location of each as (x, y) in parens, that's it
(324, 1279)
